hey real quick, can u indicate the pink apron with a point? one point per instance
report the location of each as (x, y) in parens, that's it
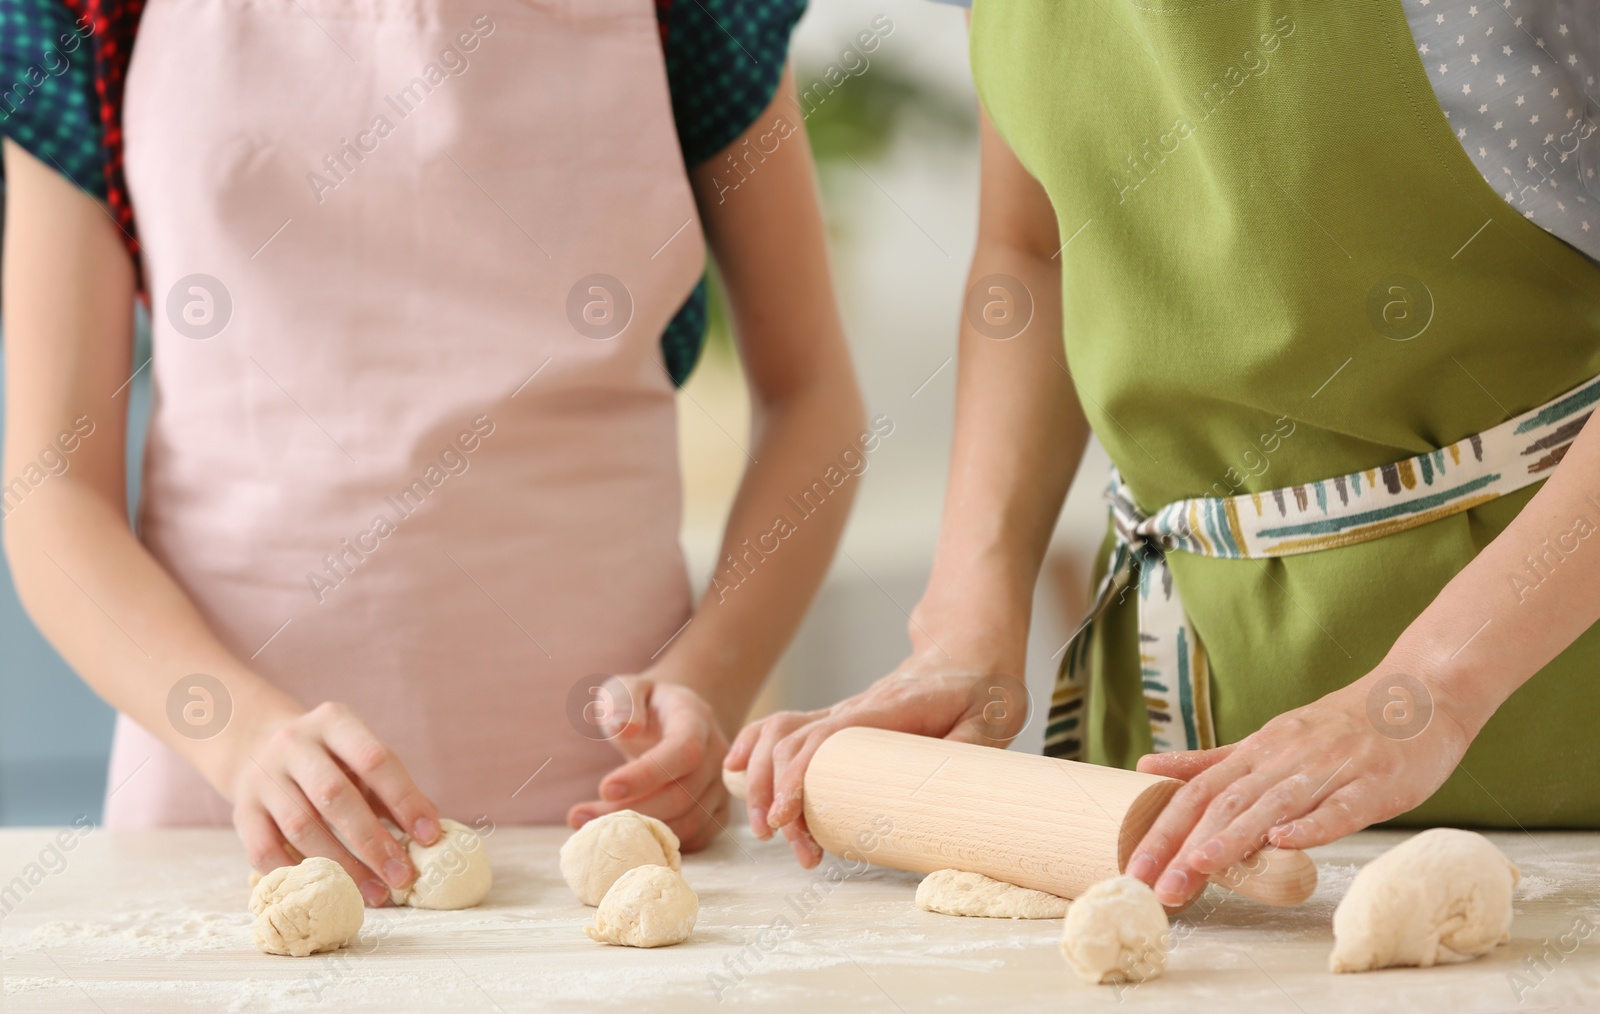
(417, 470)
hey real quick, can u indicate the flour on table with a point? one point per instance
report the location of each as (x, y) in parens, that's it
(955, 892)
(148, 931)
(1533, 888)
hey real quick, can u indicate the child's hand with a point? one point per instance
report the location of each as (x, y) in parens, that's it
(674, 772)
(319, 779)
(1306, 778)
(928, 695)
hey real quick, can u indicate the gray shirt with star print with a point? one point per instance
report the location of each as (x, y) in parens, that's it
(1516, 78)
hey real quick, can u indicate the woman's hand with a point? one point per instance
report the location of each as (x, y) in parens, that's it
(928, 695)
(1354, 757)
(319, 781)
(1306, 778)
(674, 748)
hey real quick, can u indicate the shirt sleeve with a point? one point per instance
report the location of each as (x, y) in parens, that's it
(47, 96)
(725, 59)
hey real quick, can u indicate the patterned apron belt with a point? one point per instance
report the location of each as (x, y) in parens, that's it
(1335, 512)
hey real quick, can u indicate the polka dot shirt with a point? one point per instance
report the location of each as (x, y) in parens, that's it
(1516, 79)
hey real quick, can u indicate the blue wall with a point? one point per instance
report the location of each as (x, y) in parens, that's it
(55, 734)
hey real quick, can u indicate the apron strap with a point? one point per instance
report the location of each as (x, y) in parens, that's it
(1342, 511)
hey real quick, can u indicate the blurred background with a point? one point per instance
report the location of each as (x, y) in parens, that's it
(896, 146)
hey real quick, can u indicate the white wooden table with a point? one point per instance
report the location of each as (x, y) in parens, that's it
(156, 921)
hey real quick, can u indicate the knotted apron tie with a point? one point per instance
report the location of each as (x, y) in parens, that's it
(1342, 511)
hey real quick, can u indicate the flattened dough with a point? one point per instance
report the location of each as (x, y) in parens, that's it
(1437, 898)
(955, 892)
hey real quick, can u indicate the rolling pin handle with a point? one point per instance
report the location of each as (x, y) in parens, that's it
(1272, 876)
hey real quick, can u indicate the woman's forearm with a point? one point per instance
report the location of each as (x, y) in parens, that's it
(1019, 430)
(1018, 439)
(1528, 595)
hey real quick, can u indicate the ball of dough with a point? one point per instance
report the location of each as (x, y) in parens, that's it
(1436, 898)
(954, 892)
(303, 909)
(607, 847)
(452, 873)
(1116, 931)
(648, 906)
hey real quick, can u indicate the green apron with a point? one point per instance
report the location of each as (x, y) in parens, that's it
(1247, 191)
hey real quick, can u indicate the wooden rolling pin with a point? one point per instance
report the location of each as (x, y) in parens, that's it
(1058, 826)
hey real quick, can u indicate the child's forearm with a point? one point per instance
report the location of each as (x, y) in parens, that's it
(807, 422)
(126, 627)
(779, 555)
(1502, 619)
(110, 609)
